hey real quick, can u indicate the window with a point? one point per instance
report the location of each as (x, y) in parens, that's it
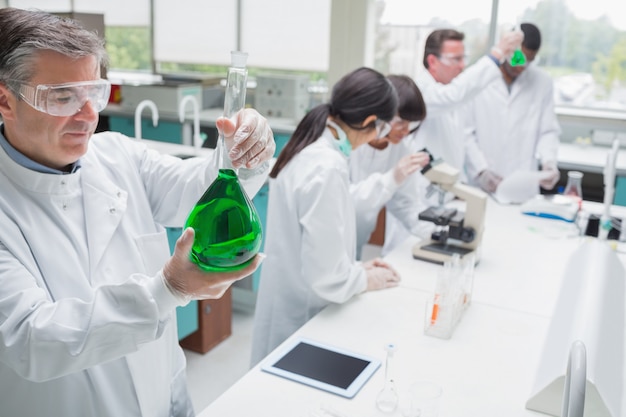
(583, 48)
(204, 32)
(583, 43)
(405, 25)
(127, 27)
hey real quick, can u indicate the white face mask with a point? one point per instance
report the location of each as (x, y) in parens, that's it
(344, 144)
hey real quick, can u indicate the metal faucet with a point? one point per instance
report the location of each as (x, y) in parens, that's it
(155, 115)
(196, 140)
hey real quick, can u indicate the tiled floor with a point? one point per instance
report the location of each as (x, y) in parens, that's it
(211, 374)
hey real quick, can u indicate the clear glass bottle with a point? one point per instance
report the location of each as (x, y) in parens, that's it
(574, 184)
(228, 232)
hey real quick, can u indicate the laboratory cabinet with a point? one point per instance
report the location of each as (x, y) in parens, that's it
(620, 191)
(260, 203)
(202, 324)
(214, 324)
(164, 131)
(281, 140)
(186, 317)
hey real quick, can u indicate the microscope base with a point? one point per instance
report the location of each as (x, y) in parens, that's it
(437, 252)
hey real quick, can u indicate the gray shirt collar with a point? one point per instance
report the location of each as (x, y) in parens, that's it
(26, 162)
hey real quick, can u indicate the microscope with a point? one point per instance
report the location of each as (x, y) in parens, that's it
(457, 232)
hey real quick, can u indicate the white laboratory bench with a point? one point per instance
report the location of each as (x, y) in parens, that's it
(523, 259)
(589, 158)
(489, 365)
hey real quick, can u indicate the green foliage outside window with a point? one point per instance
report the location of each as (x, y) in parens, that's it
(129, 47)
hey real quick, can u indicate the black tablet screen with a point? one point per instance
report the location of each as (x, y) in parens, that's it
(323, 365)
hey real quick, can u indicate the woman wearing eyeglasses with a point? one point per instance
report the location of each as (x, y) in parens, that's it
(311, 229)
(381, 172)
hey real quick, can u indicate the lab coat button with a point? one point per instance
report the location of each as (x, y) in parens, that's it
(112, 210)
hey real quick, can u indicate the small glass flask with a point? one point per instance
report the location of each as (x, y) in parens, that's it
(387, 398)
(574, 184)
(518, 59)
(228, 231)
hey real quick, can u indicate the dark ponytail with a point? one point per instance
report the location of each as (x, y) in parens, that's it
(356, 96)
(308, 131)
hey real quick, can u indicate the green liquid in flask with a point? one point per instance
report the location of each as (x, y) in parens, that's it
(518, 59)
(227, 227)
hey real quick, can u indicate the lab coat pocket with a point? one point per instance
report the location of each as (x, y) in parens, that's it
(154, 250)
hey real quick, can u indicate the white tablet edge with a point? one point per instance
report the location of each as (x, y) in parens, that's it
(268, 366)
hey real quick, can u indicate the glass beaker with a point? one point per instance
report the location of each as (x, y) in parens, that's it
(228, 232)
(574, 184)
(422, 400)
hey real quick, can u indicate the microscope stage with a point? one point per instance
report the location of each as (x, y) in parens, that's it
(438, 252)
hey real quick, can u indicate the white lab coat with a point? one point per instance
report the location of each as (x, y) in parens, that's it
(87, 327)
(310, 244)
(442, 130)
(512, 130)
(373, 187)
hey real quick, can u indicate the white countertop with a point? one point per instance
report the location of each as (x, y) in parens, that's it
(518, 253)
(479, 370)
(489, 365)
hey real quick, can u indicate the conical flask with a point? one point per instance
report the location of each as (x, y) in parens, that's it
(518, 59)
(228, 232)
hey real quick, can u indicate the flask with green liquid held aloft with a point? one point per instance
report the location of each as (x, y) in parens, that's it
(227, 227)
(518, 58)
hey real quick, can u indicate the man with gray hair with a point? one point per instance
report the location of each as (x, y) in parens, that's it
(88, 289)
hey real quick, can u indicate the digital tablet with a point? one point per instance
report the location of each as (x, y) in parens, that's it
(321, 366)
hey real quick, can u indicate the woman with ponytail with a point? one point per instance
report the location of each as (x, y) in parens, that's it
(311, 228)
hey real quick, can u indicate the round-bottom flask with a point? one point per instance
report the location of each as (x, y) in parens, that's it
(228, 232)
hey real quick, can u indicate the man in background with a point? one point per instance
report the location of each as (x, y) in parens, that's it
(513, 124)
(447, 86)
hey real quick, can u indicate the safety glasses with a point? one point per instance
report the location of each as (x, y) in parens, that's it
(399, 123)
(414, 125)
(66, 99)
(382, 128)
(452, 59)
